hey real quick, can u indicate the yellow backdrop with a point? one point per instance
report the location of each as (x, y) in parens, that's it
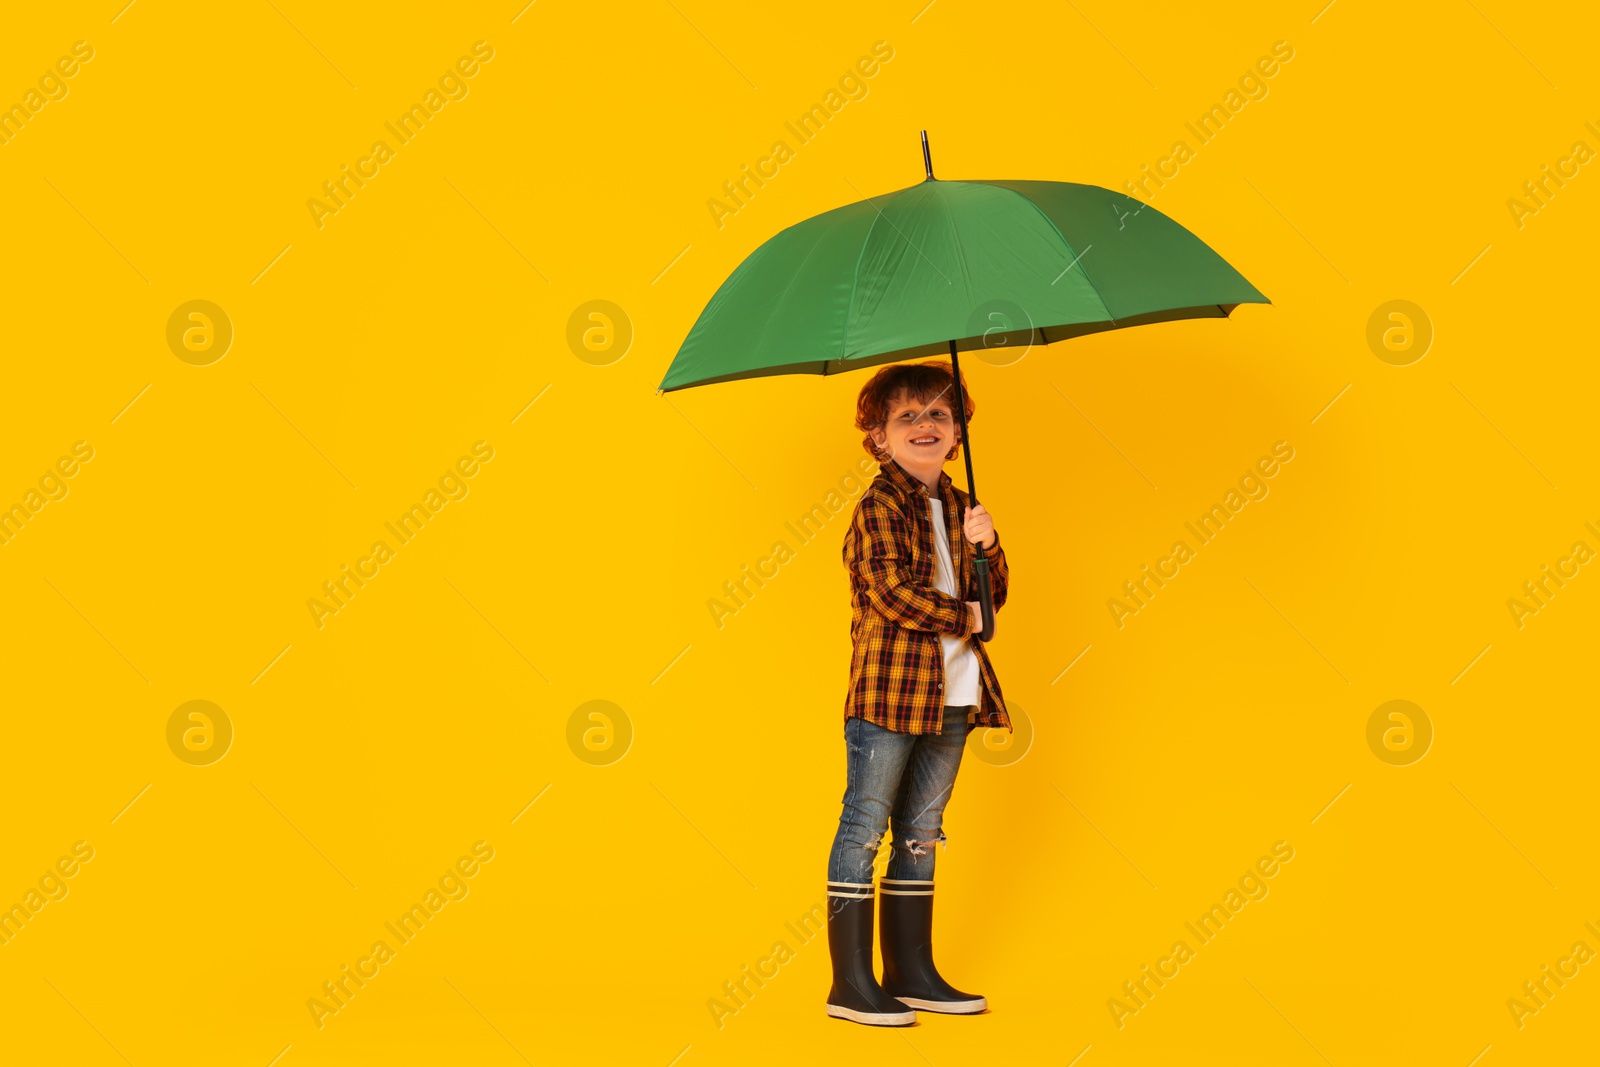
(375, 691)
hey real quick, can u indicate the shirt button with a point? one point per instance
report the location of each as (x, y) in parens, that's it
(941, 685)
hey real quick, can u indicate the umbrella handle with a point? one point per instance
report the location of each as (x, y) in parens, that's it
(985, 597)
(980, 564)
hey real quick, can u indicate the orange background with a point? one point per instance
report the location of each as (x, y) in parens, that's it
(436, 709)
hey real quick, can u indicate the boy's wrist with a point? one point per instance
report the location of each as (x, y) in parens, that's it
(962, 624)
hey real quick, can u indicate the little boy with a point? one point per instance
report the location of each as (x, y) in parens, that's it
(919, 682)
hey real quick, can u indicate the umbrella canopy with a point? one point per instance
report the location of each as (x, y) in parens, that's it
(900, 276)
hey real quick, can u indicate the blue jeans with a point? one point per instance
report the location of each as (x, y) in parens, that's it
(901, 781)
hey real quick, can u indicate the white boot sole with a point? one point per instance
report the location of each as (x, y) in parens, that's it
(873, 1018)
(947, 1007)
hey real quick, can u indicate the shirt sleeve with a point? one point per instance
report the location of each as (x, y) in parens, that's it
(878, 552)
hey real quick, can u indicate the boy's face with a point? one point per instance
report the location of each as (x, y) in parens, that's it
(918, 433)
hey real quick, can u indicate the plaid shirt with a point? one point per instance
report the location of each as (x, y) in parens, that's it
(896, 614)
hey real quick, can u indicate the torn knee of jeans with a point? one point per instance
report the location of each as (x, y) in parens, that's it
(920, 848)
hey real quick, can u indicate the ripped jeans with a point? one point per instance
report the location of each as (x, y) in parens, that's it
(901, 782)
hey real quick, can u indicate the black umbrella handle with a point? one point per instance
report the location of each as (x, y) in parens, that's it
(985, 597)
(981, 563)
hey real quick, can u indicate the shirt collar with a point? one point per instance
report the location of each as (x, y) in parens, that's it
(912, 486)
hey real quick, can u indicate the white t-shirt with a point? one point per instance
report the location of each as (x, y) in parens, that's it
(961, 672)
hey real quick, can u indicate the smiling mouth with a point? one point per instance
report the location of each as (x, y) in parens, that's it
(925, 440)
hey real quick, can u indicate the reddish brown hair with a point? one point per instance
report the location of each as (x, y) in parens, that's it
(922, 382)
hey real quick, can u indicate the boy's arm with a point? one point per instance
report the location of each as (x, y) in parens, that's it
(878, 549)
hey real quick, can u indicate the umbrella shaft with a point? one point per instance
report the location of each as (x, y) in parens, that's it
(961, 418)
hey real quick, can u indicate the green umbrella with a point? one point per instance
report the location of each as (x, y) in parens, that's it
(953, 266)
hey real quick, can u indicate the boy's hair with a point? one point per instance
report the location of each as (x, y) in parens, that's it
(922, 382)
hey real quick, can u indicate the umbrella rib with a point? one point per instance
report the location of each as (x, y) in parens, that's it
(855, 277)
(898, 230)
(1075, 261)
(955, 236)
(1078, 259)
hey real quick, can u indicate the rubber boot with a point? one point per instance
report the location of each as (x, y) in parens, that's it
(856, 994)
(907, 940)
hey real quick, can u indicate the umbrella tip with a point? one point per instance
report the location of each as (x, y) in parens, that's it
(927, 160)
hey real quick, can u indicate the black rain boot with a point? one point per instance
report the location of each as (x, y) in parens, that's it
(907, 941)
(856, 994)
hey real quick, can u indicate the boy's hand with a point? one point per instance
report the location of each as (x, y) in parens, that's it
(975, 611)
(979, 526)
